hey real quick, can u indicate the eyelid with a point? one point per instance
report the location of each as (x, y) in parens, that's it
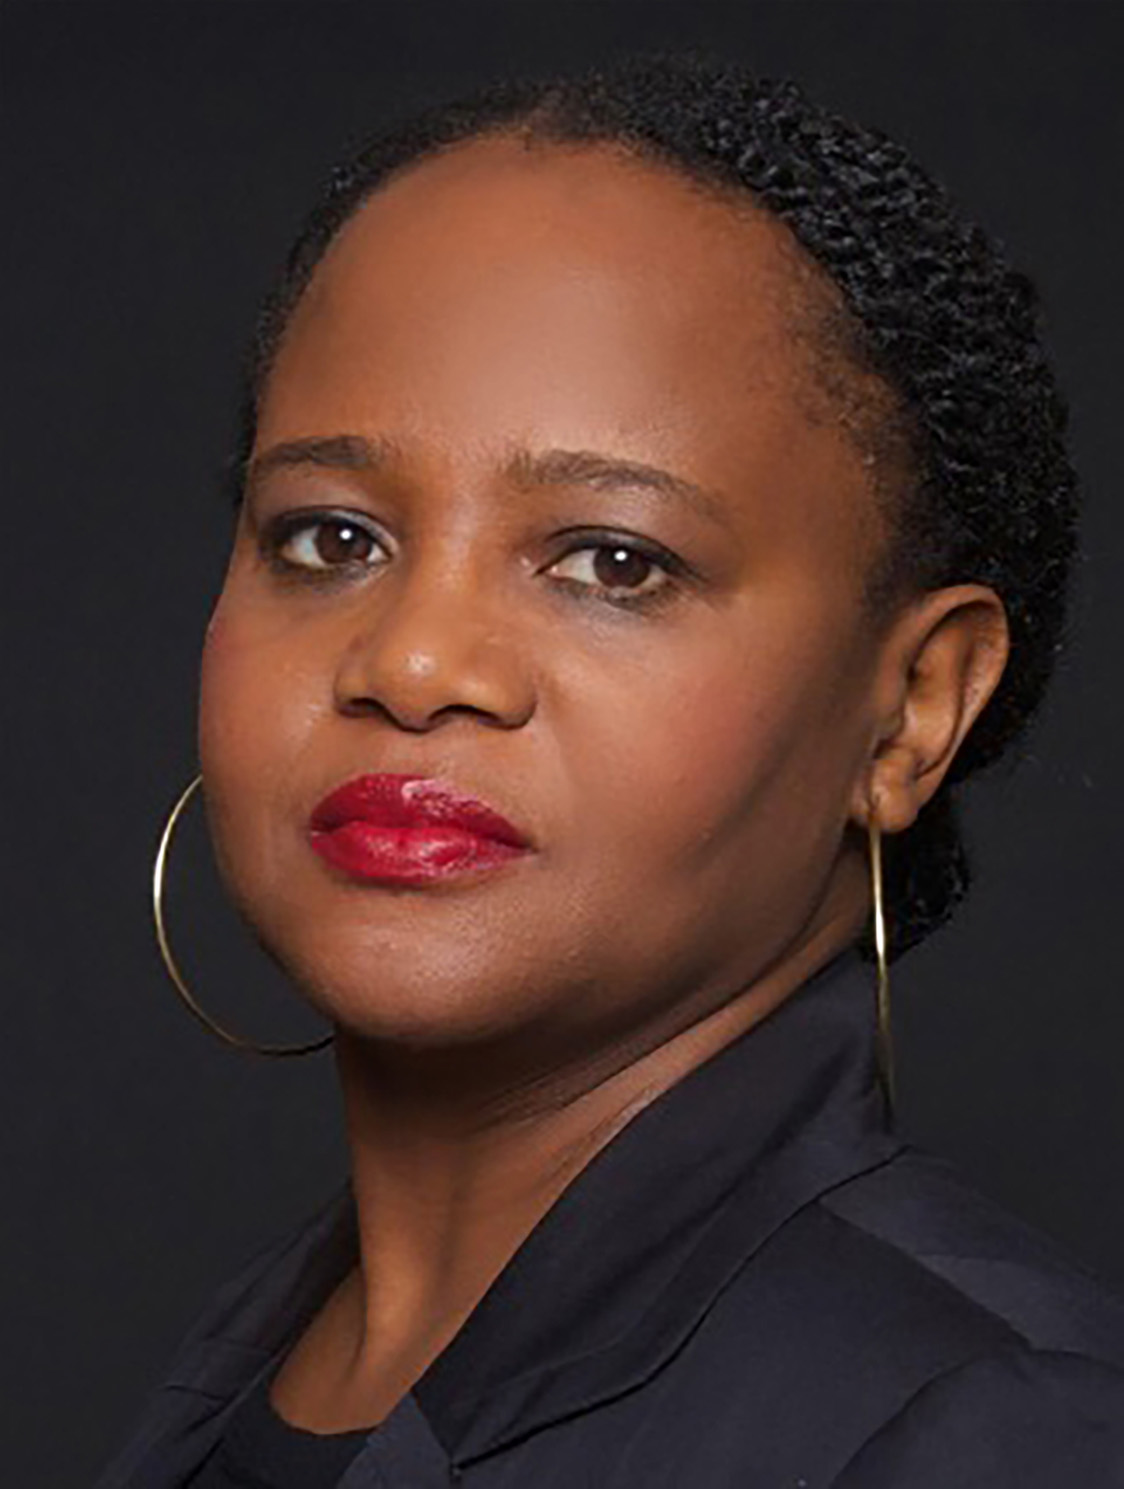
(656, 553)
(298, 517)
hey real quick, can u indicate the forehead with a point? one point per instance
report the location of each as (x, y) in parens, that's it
(500, 251)
(506, 295)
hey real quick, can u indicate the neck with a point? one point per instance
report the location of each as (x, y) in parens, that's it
(458, 1153)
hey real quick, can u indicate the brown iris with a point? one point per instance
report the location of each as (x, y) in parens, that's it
(342, 543)
(617, 567)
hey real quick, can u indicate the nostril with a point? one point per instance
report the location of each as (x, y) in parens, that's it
(417, 687)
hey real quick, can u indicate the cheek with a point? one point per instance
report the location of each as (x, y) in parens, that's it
(256, 702)
(728, 743)
(257, 683)
(230, 688)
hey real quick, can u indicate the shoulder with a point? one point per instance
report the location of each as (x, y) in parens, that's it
(1013, 1353)
(989, 1265)
(1014, 1419)
(929, 1339)
(256, 1308)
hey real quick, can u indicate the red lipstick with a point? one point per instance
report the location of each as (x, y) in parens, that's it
(409, 830)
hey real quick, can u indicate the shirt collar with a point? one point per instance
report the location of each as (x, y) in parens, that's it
(635, 1251)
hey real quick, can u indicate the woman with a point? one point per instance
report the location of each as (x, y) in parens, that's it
(654, 495)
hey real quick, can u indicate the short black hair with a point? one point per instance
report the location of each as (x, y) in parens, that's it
(929, 305)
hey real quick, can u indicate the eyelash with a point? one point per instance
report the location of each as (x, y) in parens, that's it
(281, 531)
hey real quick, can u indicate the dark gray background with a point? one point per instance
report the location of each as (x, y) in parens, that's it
(157, 158)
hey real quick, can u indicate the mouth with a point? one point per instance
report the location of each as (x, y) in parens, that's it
(410, 830)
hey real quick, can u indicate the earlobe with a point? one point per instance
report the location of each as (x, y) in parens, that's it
(940, 665)
(889, 797)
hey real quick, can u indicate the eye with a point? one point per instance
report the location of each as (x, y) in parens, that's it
(630, 573)
(321, 542)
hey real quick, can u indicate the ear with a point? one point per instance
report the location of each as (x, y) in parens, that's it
(939, 664)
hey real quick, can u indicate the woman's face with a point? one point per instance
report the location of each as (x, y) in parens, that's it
(508, 356)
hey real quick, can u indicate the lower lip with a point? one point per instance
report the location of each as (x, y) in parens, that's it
(408, 855)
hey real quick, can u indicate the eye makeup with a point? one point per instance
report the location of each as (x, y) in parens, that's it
(336, 545)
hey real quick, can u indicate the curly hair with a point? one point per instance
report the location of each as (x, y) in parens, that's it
(927, 303)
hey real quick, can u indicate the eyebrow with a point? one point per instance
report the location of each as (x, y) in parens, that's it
(334, 451)
(525, 469)
(608, 473)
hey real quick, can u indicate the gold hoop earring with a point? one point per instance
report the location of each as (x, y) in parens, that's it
(181, 987)
(884, 1044)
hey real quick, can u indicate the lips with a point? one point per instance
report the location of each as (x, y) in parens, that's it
(406, 829)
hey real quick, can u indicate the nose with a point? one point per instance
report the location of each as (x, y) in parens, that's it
(429, 647)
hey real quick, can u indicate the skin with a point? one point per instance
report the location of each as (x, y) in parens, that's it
(695, 776)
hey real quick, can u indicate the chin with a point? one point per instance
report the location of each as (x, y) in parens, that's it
(407, 995)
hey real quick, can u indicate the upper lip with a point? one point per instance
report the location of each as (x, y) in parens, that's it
(411, 801)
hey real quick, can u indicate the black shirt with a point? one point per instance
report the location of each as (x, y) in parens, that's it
(260, 1450)
(756, 1283)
